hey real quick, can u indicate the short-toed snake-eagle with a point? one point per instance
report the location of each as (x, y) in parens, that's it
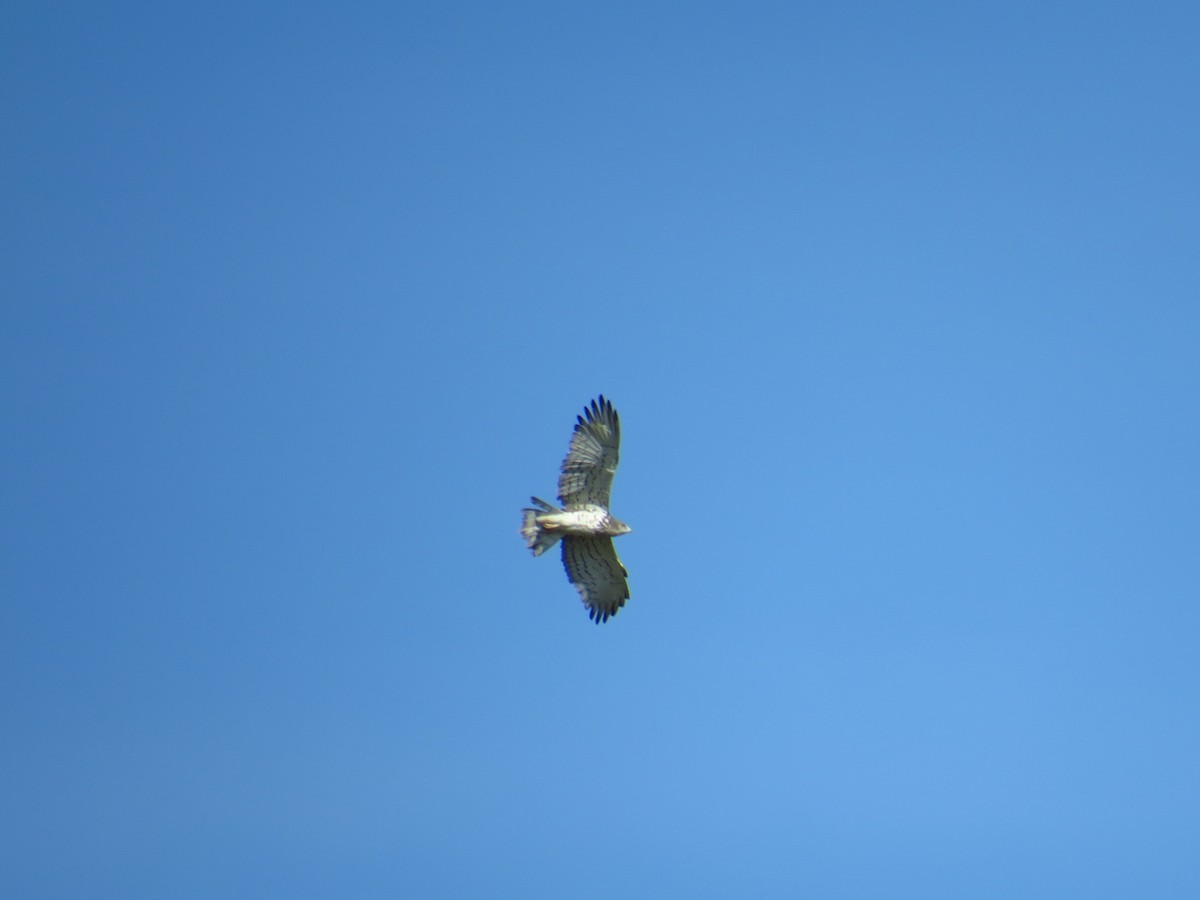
(583, 524)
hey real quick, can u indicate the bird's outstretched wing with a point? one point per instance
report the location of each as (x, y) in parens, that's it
(593, 567)
(588, 470)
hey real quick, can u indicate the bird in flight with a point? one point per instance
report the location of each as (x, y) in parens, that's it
(584, 524)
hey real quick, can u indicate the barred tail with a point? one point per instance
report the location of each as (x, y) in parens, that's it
(537, 538)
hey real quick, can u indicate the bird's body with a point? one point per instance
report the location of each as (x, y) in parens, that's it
(583, 524)
(590, 520)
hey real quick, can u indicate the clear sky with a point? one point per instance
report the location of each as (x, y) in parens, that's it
(899, 304)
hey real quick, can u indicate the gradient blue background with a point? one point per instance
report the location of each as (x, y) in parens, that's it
(900, 306)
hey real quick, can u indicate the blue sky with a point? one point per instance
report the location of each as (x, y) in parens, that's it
(899, 304)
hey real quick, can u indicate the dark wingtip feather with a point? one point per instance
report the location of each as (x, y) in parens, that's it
(597, 615)
(600, 410)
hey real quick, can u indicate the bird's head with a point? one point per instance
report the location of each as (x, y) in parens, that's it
(617, 527)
